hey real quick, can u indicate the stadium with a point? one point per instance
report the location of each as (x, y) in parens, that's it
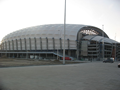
(46, 42)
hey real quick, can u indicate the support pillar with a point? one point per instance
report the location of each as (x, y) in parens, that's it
(41, 43)
(35, 44)
(9, 44)
(20, 43)
(6, 45)
(30, 43)
(47, 43)
(12, 44)
(3, 45)
(68, 44)
(60, 45)
(53, 44)
(77, 51)
(25, 43)
(16, 44)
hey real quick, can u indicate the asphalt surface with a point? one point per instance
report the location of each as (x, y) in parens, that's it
(84, 76)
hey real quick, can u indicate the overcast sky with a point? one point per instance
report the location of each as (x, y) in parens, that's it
(18, 14)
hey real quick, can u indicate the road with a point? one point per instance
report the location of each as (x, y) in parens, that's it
(84, 76)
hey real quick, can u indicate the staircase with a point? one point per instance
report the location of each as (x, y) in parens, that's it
(61, 54)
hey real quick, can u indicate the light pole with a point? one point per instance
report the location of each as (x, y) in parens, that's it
(64, 33)
(103, 41)
(115, 51)
(115, 47)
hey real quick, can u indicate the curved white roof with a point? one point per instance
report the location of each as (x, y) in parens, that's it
(50, 31)
(99, 39)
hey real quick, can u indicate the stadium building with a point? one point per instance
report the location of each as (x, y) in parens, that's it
(46, 41)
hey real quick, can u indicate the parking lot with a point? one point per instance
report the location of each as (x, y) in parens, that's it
(84, 76)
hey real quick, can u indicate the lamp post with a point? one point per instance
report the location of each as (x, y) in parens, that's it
(64, 33)
(77, 49)
(103, 41)
(115, 51)
(115, 47)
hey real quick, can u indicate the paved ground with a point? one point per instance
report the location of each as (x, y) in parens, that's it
(83, 76)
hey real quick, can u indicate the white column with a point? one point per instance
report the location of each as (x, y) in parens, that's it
(64, 33)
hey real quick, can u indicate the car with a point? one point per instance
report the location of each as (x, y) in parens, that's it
(67, 58)
(118, 65)
(111, 60)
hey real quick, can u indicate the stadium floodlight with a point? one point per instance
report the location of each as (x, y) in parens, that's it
(115, 47)
(103, 41)
(64, 33)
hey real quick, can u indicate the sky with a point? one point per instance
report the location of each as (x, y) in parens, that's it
(19, 14)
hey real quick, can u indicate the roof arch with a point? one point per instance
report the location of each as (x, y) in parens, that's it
(91, 30)
(99, 39)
